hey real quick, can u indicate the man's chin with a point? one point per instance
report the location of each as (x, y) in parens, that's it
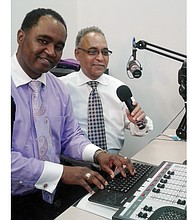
(45, 64)
(45, 67)
(99, 72)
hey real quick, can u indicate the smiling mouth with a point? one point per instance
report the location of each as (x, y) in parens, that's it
(46, 60)
(99, 65)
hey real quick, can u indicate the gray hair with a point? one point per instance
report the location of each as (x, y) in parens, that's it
(85, 31)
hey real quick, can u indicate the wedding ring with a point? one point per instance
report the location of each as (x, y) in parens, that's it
(88, 175)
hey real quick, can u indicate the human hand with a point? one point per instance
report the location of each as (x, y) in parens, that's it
(109, 161)
(137, 114)
(83, 176)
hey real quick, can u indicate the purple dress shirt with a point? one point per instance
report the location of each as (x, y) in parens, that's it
(26, 167)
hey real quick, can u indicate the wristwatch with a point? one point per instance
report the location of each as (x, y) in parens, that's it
(97, 153)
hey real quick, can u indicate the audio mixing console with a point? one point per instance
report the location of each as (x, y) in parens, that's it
(162, 197)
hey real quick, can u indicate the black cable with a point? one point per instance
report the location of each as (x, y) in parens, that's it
(168, 126)
(173, 119)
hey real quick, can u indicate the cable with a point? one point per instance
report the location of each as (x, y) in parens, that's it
(172, 136)
(173, 119)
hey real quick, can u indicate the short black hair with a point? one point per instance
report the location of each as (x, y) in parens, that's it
(31, 19)
(85, 31)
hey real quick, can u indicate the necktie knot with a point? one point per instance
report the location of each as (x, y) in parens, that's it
(93, 84)
(35, 85)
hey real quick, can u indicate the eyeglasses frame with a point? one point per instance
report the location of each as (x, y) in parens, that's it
(99, 51)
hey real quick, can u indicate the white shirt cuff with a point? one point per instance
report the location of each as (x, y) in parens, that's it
(88, 152)
(134, 129)
(50, 176)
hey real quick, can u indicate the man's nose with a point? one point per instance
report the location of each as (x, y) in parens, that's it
(50, 50)
(100, 56)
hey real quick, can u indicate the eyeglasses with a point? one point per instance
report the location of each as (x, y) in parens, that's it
(95, 52)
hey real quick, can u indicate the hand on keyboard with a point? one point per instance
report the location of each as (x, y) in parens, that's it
(107, 161)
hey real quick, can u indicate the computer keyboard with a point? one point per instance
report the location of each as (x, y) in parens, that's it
(121, 188)
(119, 183)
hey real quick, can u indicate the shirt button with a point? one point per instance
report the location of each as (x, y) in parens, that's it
(45, 185)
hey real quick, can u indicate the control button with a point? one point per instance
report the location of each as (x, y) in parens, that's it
(150, 209)
(160, 185)
(181, 202)
(163, 180)
(156, 190)
(142, 215)
(170, 172)
(167, 176)
(147, 208)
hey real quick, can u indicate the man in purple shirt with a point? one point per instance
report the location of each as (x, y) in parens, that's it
(35, 183)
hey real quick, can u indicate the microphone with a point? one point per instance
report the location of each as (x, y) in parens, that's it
(125, 94)
(134, 65)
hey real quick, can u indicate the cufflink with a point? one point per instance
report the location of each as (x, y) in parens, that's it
(45, 185)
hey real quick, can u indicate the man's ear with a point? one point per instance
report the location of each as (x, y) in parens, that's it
(20, 36)
(77, 53)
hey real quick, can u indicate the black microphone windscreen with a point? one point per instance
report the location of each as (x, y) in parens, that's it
(124, 93)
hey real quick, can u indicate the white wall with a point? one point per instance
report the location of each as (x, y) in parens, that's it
(159, 22)
(67, 8)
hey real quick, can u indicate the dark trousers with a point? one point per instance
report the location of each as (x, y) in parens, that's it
(33, 207)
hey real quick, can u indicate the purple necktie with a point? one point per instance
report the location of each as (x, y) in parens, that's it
(43, 130)
(42, 124)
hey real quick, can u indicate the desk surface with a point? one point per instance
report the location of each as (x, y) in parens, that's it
(160, 149)
(76, 213)
(163, 148)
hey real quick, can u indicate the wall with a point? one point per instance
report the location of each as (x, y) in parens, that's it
(67, 8)
(159, 22)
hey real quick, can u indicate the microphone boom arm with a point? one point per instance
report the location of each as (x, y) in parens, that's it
(142, 45)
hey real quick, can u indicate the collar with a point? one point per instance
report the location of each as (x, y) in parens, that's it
(19, 76)
(83, 79)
